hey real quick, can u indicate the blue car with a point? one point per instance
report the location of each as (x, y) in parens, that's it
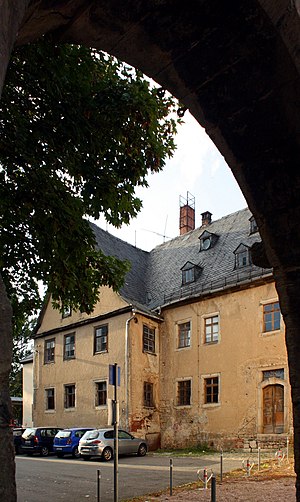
(66, 441)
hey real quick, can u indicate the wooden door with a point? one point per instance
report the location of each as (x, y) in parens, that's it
(273, 409)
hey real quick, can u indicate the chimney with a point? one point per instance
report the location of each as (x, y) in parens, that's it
(206, 218)
(187, 213)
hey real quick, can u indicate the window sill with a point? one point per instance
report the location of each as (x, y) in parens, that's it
(211, 343)
(68, 410)
(69, 358)
(49, 362)
(185, 347)
(268, 333)
(182, 406)
(101, 407)
(211, 405)
(101, 352)
(50, 411)
(149, 352)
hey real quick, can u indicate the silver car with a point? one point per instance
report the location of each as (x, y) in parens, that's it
(100, 443)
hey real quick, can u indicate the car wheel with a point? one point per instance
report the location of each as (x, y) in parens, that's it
(107, 454)
(86, 457)
(142, 450)
(44, 451)
(75, 452)
(59, 455)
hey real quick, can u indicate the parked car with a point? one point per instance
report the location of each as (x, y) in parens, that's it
(100, 443)
(38, 440)
(17, 435)
(66, 441)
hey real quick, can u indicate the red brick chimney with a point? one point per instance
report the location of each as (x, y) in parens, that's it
(187, 214)
(206, 218)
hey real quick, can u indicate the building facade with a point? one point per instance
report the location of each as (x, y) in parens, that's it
(197, 333)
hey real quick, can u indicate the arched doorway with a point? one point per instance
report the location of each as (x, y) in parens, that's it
(273, 409)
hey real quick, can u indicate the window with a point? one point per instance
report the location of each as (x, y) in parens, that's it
(50, 402)
(211, 390)
(66, 311)
(49, 351)
(148, 339)
(184, 393)
(184, 335)
(271, 317)
(211, 329)
(279, 373)
(69, 346)
(242, 256)
(101, 394)
(253, 225)
(188, 275)
(70, 396)
(100, 339)
(207, 240)
(148, 395)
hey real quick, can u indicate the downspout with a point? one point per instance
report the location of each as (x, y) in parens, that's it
(126, 369)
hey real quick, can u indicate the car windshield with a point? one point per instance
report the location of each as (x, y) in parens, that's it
(28, 433)
(63, 434)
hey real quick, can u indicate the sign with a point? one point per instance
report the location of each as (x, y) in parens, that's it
(113, 378)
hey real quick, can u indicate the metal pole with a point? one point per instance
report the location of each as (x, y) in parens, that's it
(116, 445)
(171, 477)
(98, 484)
(221, 467)
(258, 458)
(213, 489)
(287, 449)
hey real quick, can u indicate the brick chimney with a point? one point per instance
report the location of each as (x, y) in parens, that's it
(206, 218)
(187, 214)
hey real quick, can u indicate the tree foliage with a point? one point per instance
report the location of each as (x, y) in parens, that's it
(79, 130)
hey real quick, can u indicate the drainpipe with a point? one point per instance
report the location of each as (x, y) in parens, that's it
(126, 369)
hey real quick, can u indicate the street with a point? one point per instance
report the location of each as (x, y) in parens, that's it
(40, 479)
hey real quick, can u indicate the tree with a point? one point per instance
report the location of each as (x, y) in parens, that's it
(79, 131)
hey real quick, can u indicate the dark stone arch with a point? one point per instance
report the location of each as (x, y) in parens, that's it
(235, 65)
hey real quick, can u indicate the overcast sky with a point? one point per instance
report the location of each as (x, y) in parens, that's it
(197, 167)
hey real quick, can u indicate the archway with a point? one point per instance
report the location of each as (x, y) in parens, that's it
(236, 67)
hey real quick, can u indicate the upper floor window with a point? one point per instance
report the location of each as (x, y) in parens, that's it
(271, 317)
(190, 272)
(66, 311)
(69, 346)
(100, 339)
(211, 329)
(101, 393)
(50, 401)
(49, 351)
(70, 396)
(277, 373)
(148, 395)
(184, 335)
(242, 256)
(184, 393)
(253, 225)
(207, 240)
(148, 339)
(211, 390)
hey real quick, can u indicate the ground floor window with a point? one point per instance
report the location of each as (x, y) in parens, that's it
(184, 393)
(50, 399)
(101, 394)
(211, 390)
(148, 395)
(70, 396)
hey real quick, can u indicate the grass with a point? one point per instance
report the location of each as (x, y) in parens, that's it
(192, 451)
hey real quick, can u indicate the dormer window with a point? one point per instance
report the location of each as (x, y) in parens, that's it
(242, 256)
(190, 273)
(207, 240)
(253, 225)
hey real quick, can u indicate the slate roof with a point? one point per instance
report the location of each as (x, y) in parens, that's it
(155, 279)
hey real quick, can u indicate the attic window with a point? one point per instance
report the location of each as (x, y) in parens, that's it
(253, 225)
(207, 240)
(190, 273)
(242, 256)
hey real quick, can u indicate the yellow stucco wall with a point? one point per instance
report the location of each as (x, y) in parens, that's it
(240, 356)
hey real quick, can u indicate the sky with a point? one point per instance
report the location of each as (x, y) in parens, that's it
(197, 167)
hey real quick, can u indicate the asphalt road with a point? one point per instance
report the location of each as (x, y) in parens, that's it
(52, 479)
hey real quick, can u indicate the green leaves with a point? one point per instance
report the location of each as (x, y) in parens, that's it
(79, 131)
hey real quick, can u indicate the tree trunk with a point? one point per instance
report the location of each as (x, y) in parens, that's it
(12, 13)
(7, 460)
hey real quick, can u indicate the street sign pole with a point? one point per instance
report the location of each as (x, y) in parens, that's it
(116, 429)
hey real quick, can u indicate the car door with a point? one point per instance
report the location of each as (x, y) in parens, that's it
(126, 443)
